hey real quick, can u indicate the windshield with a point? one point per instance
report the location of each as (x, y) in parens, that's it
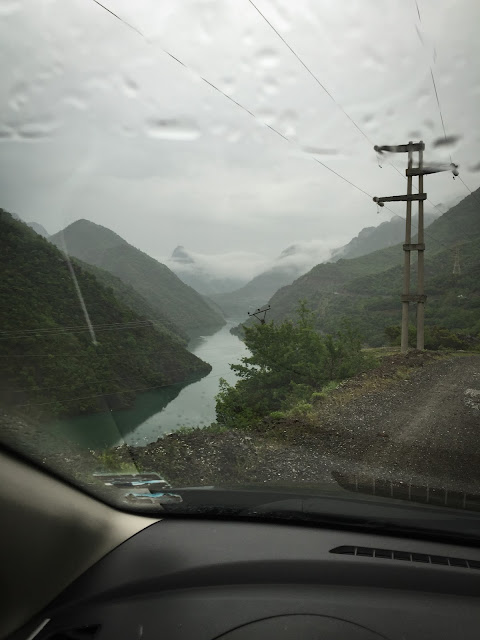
(240, 249)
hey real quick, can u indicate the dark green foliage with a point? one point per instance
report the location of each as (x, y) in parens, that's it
(129, 297)
(46, 352)
(288, 362)
(164, 292)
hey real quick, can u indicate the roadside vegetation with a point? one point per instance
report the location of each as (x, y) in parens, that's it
(290, 366)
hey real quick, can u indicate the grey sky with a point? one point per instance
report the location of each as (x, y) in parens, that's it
(98, 122)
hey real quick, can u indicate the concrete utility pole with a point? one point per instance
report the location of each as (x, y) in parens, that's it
(419, 297)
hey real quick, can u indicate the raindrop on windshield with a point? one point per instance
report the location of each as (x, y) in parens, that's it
(173, 130)
(446, 141)
(287, 123)
(130, 87)
(7, 7)
(422, 98)
(18, 99)
(35, 130)
(318, 151)
(248, 39)
(227, 85)
(270, 86)
(267, 58)
(75, 102)
(476, 167)
(266, 116)
(5, 133)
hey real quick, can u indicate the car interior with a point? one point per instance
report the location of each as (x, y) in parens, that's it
(75, 568)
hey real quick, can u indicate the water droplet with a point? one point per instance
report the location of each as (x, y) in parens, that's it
(270, 86)
(184, 131)
(476, 167)
(422, 99)
(126, 130)
(446, 141)
(248, 39)
(234, 136)
(287, 123)
(6, 133)
(8, 7)
(414, 135)
(372, 61)
(130, 87)
(290, 77)
(429, 124)
(36, 130)
(267, 58)
(218, 129)
(227, 85)
(367, 118)
(19, 98)
(317, 151)
(75, 102)
(266, 116)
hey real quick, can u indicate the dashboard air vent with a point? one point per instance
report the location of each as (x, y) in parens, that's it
(390, 554)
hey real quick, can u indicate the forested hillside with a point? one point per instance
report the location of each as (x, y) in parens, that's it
(164, 292)
(49, 364)
(127, 295)
(367, 289)
(387, 234)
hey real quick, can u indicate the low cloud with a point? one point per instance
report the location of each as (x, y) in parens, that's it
(243, 266)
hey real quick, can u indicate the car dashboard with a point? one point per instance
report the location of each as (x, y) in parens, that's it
(195, 578)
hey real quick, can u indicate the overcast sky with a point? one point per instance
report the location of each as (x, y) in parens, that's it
(99, 122)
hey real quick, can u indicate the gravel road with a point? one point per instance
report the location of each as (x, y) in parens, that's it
(434, 428)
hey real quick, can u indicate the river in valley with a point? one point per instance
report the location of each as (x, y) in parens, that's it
(162, 411)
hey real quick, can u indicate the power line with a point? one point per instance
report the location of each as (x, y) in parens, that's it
(441, 113)
(346, 180)
(317, 80)
(243, 107)
(34, 334)
(310, 72)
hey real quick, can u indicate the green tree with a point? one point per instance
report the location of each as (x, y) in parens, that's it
(287, 363)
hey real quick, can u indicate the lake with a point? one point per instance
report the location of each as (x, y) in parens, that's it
(164, 410)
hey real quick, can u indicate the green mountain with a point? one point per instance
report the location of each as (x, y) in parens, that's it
(293, 261)
(129, 297)
(387, 234)
(367, 289)
(49, 364)
(164, 292)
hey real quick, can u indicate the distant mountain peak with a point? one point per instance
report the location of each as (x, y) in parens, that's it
(289, 251)
(180, 254)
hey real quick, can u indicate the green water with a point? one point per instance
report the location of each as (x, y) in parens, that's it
(164, 410)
